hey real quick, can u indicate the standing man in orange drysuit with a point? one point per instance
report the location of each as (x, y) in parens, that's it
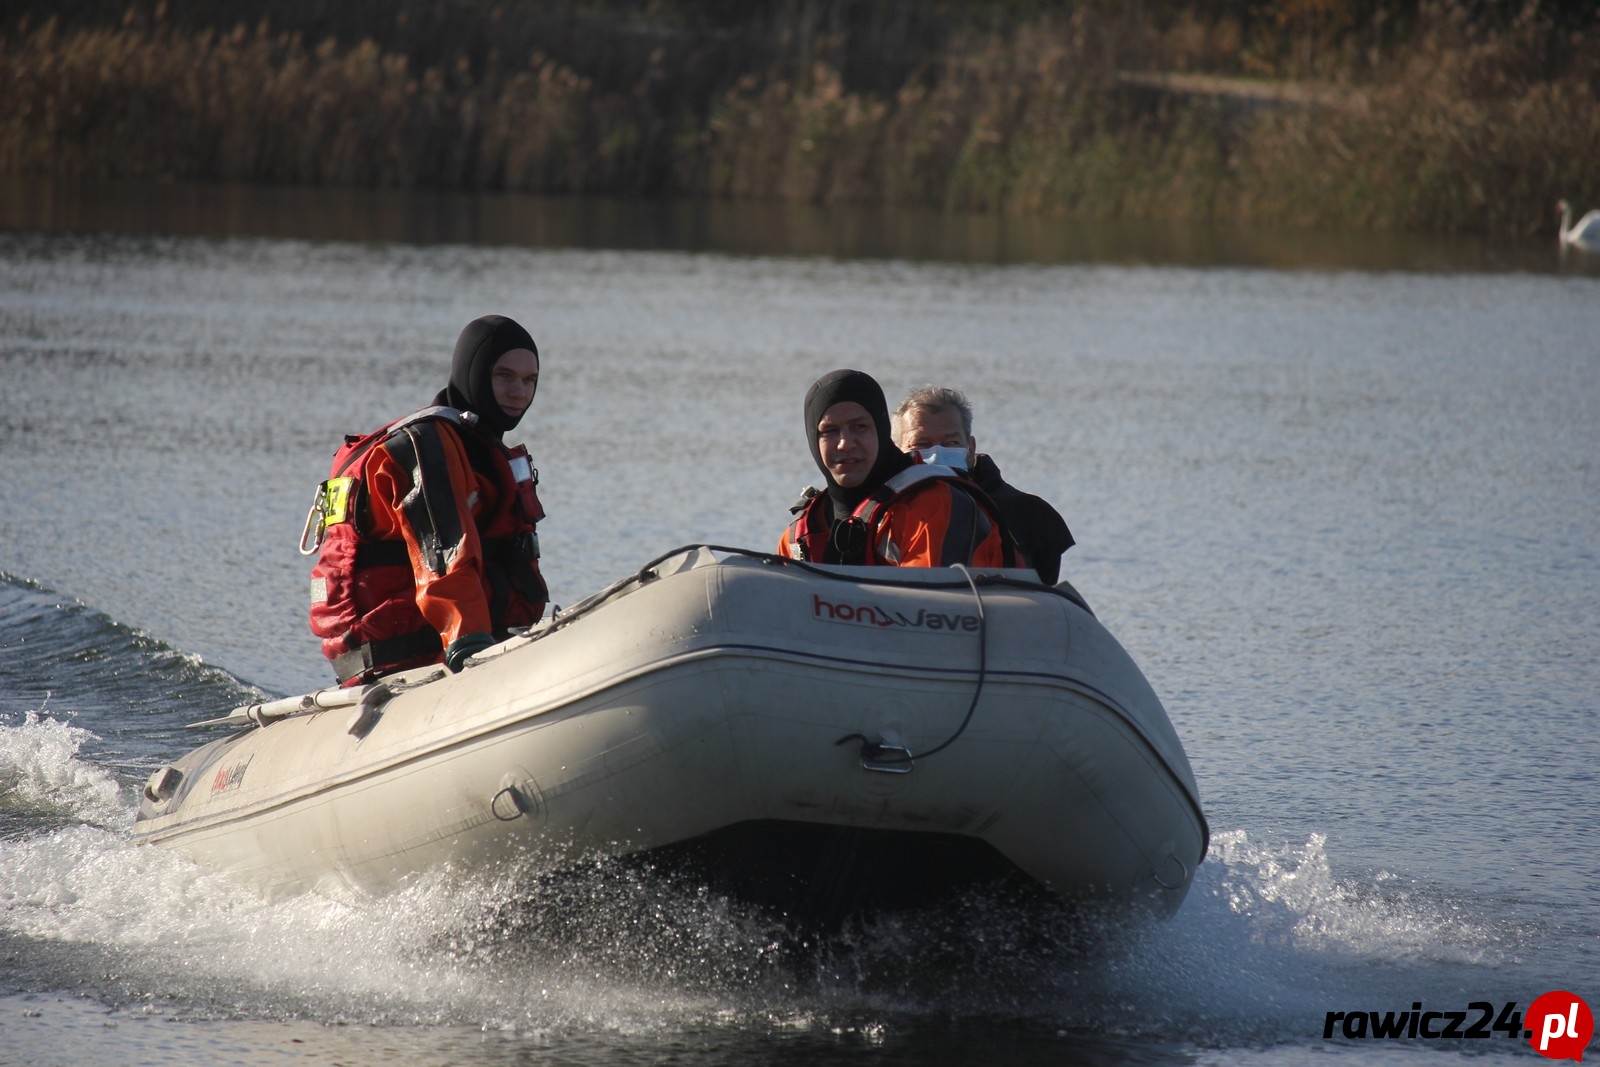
(881, 506)
(428, 527)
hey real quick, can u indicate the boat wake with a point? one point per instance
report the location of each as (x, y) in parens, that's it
(1273, 935)
(129, 693)
(1270, 939)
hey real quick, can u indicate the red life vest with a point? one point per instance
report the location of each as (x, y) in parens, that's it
(363, 590)
(810, 533)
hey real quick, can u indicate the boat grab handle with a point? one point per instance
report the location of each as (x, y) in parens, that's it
(1183, 874)
(872, 750)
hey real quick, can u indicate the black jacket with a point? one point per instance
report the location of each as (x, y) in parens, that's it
(1038, 527)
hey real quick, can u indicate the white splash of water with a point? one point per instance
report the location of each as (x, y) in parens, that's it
(1291, 892)
(195, 941)
(1269, 941)
(1272, 938)
(41, 774)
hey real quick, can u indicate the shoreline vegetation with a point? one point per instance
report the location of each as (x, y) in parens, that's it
(1449, 116)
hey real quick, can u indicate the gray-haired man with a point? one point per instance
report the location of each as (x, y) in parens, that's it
(936, 417)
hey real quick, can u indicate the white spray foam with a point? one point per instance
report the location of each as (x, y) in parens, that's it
(1292, 892)
(41, 774)
(1268, 942)
(180, 931)
(1271, 939)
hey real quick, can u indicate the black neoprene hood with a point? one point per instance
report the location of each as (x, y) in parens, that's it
(478, 349)
(846, 386)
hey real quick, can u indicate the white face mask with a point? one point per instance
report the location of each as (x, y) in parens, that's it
(944, 455)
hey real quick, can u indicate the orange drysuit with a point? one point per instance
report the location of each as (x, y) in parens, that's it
(932, 523)
(470, 556)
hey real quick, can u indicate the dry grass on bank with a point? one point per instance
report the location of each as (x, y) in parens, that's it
(251, 105)
(1460, 131)
(1457, 137)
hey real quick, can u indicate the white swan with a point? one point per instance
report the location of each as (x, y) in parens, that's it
(1585, 235)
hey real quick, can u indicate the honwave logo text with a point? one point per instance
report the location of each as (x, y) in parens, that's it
(875, 615)
(229, 777)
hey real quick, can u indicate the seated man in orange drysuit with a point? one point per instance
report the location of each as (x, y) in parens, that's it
(937, 420)
(881, 506)
(428, 527)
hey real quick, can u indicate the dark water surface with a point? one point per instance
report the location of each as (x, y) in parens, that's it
(1345, 516)
(749, 228)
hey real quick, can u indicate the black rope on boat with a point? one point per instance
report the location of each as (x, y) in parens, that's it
(647, 573)
(876, 751)
(1063, 590)
(891, 755)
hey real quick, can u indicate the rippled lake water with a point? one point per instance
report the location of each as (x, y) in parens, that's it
(1348, 522)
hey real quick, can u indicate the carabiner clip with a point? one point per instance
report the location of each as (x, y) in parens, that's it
(311, 536)
(331, 505)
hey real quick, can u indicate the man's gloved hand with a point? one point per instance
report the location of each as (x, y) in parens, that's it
(467, 644)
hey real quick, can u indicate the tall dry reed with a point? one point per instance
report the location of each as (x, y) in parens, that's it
(1462, 132)
(1448, 126)
(256, 106)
